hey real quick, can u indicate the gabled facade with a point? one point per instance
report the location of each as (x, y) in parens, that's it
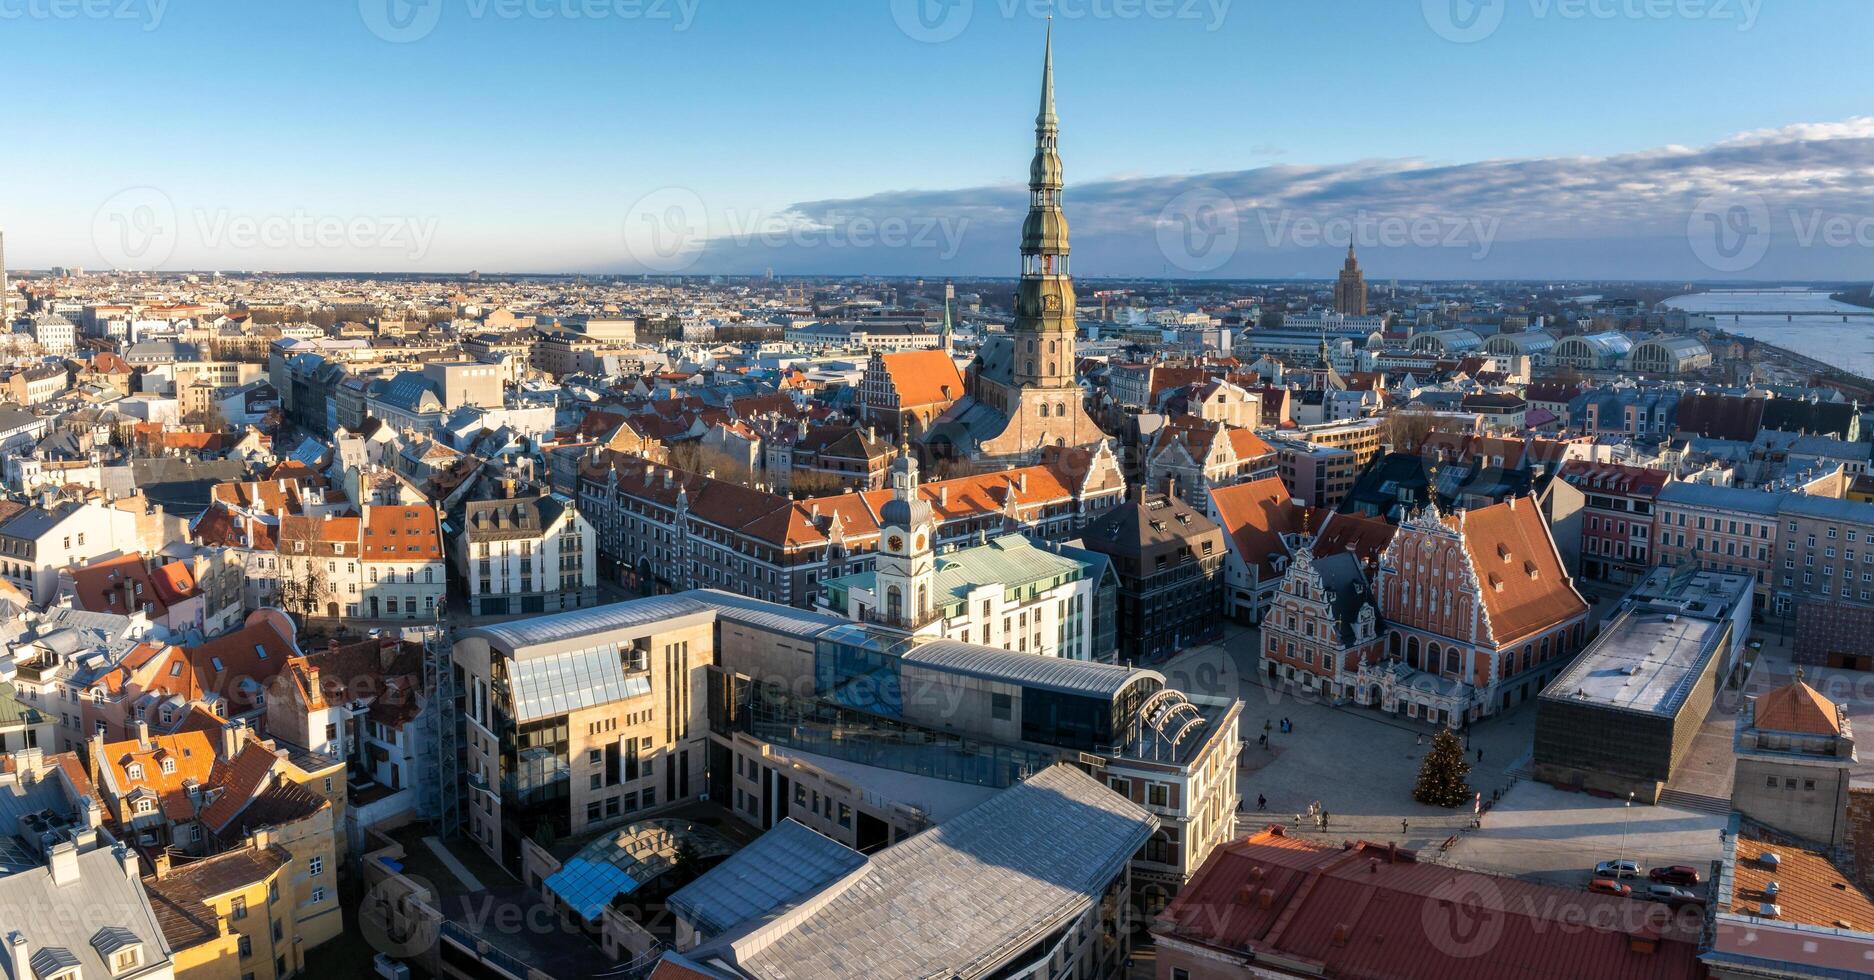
(1480, 611)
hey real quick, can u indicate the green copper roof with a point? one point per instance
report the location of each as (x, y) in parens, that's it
(13, 711)
(1011, 561)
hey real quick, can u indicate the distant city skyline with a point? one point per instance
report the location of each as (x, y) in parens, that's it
(1202, 139)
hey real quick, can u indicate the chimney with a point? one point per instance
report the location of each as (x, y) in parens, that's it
(161, 861)
(20, 952)
(62, 861)
(233, 736)
(126, 859)
(143, 733)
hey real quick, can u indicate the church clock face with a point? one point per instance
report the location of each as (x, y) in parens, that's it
(895, 543)
(1050, 302)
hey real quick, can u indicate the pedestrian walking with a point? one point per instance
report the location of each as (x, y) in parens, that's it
(1480, 756)
(1403, 827)
(1262, 802)
(1323, 819)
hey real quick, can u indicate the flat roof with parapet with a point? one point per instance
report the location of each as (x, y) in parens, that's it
(1646, 660)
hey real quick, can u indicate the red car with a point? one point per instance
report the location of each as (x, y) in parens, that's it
(1608, 886)
(1675, 874)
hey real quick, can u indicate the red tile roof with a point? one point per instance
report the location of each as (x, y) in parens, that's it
(1369, 913)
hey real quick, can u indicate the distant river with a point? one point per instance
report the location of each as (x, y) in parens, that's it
(1848, 345)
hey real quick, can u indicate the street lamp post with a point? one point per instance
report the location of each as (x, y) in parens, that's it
(1626, 821)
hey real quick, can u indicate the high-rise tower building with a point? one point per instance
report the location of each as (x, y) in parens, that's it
(1028, 377)
(1350, 290)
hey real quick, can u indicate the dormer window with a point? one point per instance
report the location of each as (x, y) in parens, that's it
(133, 771)
(146, 806)
(169, 766)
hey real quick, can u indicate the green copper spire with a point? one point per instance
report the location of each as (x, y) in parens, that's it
(1044, 300)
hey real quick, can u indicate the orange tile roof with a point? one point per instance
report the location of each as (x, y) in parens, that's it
(1525, 587)
(101, 586)
(239, 780)
(1248, 445)
(402, 533)
(1797, 707)
(193, 754)
(1256, 515)
(923, 377)
(1809, 887)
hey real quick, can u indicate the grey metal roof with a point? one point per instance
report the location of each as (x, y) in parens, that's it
(771, 616)
(515, 637)
(1721, 498)
(965, 897)
(780, 868)
(111, 899)
(1027, 669)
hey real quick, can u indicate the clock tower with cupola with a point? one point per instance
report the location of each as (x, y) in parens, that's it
(907, 565)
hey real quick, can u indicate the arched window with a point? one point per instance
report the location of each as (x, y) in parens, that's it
(1060, 408)
(1545, 648)
(1044, 410)
(923, 601)
(1529, 656)
(1434, 655)
(1392, 646)
(1453, 663)
(1412, 652)
(429, 576)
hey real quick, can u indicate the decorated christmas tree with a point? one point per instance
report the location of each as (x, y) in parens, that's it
(1441, 776)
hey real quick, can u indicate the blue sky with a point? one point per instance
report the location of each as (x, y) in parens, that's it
(525, 135)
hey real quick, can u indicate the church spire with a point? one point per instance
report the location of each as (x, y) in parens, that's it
(1047, 121)
(1044, 301)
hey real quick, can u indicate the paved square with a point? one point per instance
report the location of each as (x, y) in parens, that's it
(1542, 832)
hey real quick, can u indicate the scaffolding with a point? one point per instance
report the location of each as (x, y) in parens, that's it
(440, 782)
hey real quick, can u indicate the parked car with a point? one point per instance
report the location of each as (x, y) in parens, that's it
(1674, 874)
(1672, 895)
(1608, 886)
(1617, 869)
